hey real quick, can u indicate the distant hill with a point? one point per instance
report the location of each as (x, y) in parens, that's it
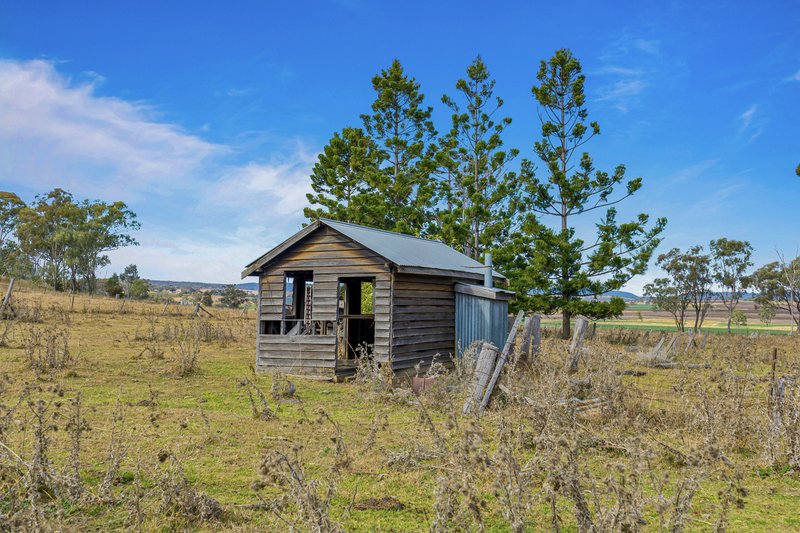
(625, 295)
(198, 285)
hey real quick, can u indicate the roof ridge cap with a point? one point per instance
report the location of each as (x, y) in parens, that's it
(370, 228)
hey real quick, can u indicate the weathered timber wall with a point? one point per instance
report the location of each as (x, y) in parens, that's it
(299, 354)
(330, 256)
(423, 321)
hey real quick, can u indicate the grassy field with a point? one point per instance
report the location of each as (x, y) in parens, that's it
(168, 445)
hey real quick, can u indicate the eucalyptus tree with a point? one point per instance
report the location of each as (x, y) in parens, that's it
(668, 295)
(687, 286)
(46, 232)
(778, 285)
(730, 260)
(562, 271)
(64, 241)
(10, 207)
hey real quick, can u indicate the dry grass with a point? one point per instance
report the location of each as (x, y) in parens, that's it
(121, 438)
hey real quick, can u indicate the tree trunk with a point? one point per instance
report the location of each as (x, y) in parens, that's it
(565, 325)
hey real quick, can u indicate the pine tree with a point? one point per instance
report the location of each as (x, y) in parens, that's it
(477, 212)
(401, 191)
(340, 177)
(561, 271)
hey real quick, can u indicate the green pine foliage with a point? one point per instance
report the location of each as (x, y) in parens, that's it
(341, 177)
(555, 268)
(401, 190)
(476, 190)
(394, 174)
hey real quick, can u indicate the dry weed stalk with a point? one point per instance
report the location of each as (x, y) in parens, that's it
(262, 412)
(283, 469)
(187, 350)
(46, 349)
(180, 498)
(117, 451)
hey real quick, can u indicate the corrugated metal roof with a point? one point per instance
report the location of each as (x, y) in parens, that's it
(409, 251)
(410, 254)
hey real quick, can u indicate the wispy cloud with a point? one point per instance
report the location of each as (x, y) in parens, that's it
(629, 65)
(53, 130)
(719, 199)
(746, 118)
(692, 171)
(281, 183)
(796, 76)
(650, 46)
(206, 208)
(622, 90)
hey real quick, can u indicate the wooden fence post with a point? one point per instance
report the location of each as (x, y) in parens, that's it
(772, 379)
(483, 371)
(525, 344)
(576, 346)
(501, 361)
(7, 299)
(536, 349)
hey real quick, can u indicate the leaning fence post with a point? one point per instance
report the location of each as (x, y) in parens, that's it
(7, 298)
(501, 361)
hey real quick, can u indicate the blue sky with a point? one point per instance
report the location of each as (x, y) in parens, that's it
(207, 117)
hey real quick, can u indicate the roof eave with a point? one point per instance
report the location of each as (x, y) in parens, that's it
(256, 265)
(443, 272)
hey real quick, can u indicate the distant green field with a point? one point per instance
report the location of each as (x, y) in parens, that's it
(639, 307)
(772, 330)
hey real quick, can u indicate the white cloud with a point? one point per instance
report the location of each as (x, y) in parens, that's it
(623, 89)
(649, 46)
(692, 171)
(631, 64)
(54, 131)
(281, 184)
(209, 218)
(796, 76)
(747, 117)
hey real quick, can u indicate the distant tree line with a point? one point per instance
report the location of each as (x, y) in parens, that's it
(696, 280)
(393, 170)
(127, 284)
(60, 240)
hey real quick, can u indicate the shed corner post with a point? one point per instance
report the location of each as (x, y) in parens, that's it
(258, 316)
(390, 354)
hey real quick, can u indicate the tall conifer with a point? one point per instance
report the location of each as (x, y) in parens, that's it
(561, 271)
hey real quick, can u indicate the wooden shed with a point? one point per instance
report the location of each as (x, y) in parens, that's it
(335, 291)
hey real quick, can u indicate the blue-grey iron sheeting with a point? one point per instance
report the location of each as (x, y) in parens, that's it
(480, 319)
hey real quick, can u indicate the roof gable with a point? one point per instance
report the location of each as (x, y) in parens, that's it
(412, 254)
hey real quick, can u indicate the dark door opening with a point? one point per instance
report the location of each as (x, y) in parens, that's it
(356, 317)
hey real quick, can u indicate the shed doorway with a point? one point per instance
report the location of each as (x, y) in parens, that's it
(355, 318)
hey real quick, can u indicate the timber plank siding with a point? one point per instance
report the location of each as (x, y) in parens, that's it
(424, 327)
(300, 354)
